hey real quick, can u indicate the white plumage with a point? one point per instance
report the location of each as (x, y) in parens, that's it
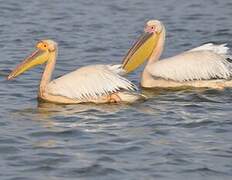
(218, 49)
(202, 63)
(90, 82)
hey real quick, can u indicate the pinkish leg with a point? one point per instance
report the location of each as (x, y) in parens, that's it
(114, 98)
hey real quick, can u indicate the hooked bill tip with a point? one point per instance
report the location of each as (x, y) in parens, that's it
(10, 77)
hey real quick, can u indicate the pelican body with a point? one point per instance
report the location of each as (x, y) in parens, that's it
(95, 83)
(206, 66)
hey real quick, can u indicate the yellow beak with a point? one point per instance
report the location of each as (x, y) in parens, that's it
(140, 51)
(36, 58)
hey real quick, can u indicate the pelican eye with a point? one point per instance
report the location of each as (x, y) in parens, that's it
(45, 45)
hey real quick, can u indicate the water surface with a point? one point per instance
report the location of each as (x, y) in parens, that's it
(174, 135)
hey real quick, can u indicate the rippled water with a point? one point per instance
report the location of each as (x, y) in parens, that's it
(174, 135)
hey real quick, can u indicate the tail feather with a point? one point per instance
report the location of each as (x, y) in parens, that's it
(130, 97)
(117, 68)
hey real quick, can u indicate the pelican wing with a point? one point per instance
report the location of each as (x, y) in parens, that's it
(90, 82)
(202, 63)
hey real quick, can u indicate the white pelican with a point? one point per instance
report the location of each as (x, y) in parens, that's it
(95, 83)
(205, 66)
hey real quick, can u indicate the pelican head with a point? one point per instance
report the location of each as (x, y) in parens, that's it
(144, 46)
(42, 54)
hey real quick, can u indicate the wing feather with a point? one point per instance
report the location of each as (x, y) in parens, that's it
(90, 82)
(218, 49)
(201, 63)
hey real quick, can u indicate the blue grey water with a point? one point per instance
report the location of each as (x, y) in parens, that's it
(184, 134)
